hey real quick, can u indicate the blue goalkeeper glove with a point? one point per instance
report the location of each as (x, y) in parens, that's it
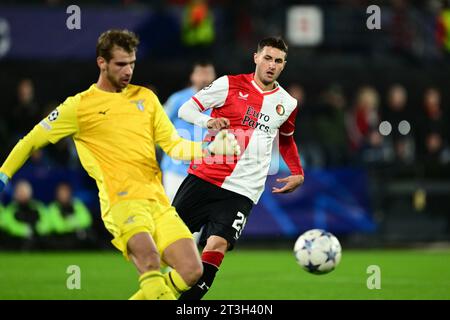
(3, 181)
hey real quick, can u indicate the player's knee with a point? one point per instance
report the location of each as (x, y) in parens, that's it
(196, 273)
(191, 273)
(148, 262)
(216, 243)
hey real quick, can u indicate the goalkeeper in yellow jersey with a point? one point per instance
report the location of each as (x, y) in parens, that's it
(115, 126)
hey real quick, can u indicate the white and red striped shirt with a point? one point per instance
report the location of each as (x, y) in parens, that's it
(256, 117)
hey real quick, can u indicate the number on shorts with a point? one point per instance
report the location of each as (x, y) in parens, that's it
(239, 224)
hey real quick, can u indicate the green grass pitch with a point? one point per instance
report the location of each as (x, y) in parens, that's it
(246, 274)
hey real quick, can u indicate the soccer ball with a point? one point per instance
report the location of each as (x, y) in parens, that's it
(317, 251)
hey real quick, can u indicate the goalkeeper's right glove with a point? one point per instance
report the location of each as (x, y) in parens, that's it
(225, 143)
(3, 181)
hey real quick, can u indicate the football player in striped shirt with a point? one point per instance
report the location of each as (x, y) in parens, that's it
(219, 192)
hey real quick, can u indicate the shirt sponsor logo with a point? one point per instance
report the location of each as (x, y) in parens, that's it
(256, 120)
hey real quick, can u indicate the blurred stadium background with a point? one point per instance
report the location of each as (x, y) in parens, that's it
(372, 128)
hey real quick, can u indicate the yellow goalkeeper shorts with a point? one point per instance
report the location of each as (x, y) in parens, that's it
(129, 217)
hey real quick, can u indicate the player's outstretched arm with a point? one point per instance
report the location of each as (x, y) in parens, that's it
(178, 148)
(20, 154)
(169, 140)
(61, 123)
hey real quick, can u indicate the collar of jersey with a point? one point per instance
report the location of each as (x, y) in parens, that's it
(107, 92)
(277, 86)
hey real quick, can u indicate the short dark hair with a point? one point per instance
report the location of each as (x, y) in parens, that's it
(202, 64)
(275, 42)
(125, 39)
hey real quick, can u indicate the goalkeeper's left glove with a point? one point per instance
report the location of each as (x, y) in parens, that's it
(225, 143)
(3, 181)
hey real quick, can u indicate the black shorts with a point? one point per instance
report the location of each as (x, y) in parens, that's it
(222, 212)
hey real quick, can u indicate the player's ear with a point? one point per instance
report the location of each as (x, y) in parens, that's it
(255, 57)
(101, 63)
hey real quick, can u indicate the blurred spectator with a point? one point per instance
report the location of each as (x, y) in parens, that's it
(403, 29)
(433, 139)
(71, 219)
(304, 135)
(198, 24)
(443, 30)
(399, 139)
(26, 219)
(39, 159)
(174, 172)
(331, 127)
(362, 124)
(25, 115)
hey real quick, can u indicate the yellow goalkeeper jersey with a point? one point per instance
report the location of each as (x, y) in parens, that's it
(115, 135)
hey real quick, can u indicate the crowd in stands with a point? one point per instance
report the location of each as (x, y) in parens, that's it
(28, 224)
(337, 126)
(334, 129)
(371, 129)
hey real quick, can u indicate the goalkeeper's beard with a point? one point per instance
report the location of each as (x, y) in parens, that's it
(115, 82)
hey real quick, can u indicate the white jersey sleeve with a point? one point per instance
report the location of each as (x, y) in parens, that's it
(213, 95)
(190, 112)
